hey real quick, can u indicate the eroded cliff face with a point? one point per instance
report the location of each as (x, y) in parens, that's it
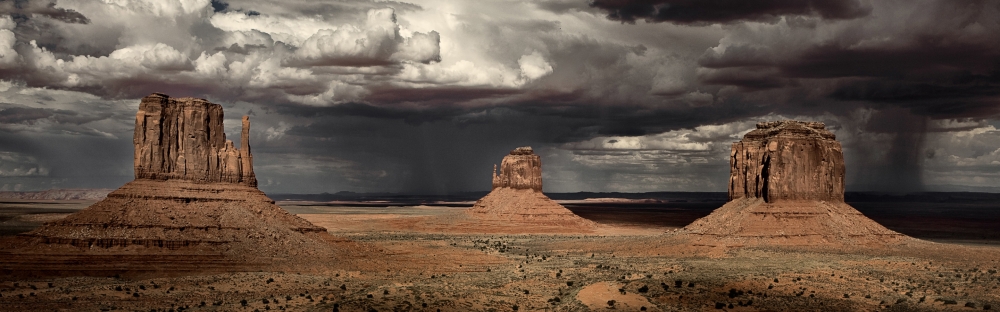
(183, 138)
(521, 169)
(787, 160)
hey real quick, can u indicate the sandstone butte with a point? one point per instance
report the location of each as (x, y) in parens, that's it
(786, 188)
(516, 201)
(193, 206)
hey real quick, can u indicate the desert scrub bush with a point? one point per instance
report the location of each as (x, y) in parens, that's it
(733, 293)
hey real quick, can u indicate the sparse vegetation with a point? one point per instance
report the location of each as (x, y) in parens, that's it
(798, 282)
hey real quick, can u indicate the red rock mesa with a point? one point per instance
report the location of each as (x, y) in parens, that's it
(183, 138)
(517, 202)
(194, 204)
(787, 160)
(522, 169)
(786, 187)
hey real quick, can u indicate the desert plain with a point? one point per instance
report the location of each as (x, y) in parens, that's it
(630, 262)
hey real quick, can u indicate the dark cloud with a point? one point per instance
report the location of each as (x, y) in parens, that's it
(562, 121)
(219, 6)
(900, 168)
(945, 98)
(333, 10)
(433, 157)
(242, 49)
(46, 8)
(23, 114)
(58, 160)
(923, 57)
(349, 95)
(412, 116)
(945, 65)
(747, 77)
(562, 6)
(44, 31)
(434, 95)
(740, 56)
(726, 11)
(31, 115)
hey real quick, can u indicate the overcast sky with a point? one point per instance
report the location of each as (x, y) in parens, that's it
(425, 96)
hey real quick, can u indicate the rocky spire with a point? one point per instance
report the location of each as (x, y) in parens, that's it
(787, 160)
(183, 138)
(246, 159)
(522, 169)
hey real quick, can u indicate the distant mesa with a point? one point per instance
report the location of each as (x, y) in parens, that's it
(521, 170)
(193, 206)
(58, 194)
(517, 203)
(786, 188)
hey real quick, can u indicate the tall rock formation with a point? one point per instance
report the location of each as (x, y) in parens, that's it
(787, 160)
(516, 203)
(183, 138)
(522, 169)
(786, 188)
(193, 206)
(246, 158)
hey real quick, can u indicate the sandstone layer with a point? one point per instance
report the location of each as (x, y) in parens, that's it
(786, 188)
(177, 213)
(194, 201)
(517, 201)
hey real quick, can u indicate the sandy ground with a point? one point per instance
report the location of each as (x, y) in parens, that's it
(342, 220)
(616, 268)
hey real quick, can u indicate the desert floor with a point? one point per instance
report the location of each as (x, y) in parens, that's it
(631, 263)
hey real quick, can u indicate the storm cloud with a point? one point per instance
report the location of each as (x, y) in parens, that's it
(44, 8)
(727, 11)
(424, 96)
